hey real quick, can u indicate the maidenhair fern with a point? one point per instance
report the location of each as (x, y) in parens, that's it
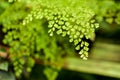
(73, 21)
(108, 10)
(34, 28)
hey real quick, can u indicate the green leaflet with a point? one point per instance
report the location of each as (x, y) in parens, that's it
(4, 66)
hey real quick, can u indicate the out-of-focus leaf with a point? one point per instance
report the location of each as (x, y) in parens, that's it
(4, 66)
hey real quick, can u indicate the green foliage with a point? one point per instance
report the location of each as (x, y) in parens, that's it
(31, 41)
(73, 21)
(13, 0)
(51, 73)
(4, 66)
(34, 28)
(107, 10)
